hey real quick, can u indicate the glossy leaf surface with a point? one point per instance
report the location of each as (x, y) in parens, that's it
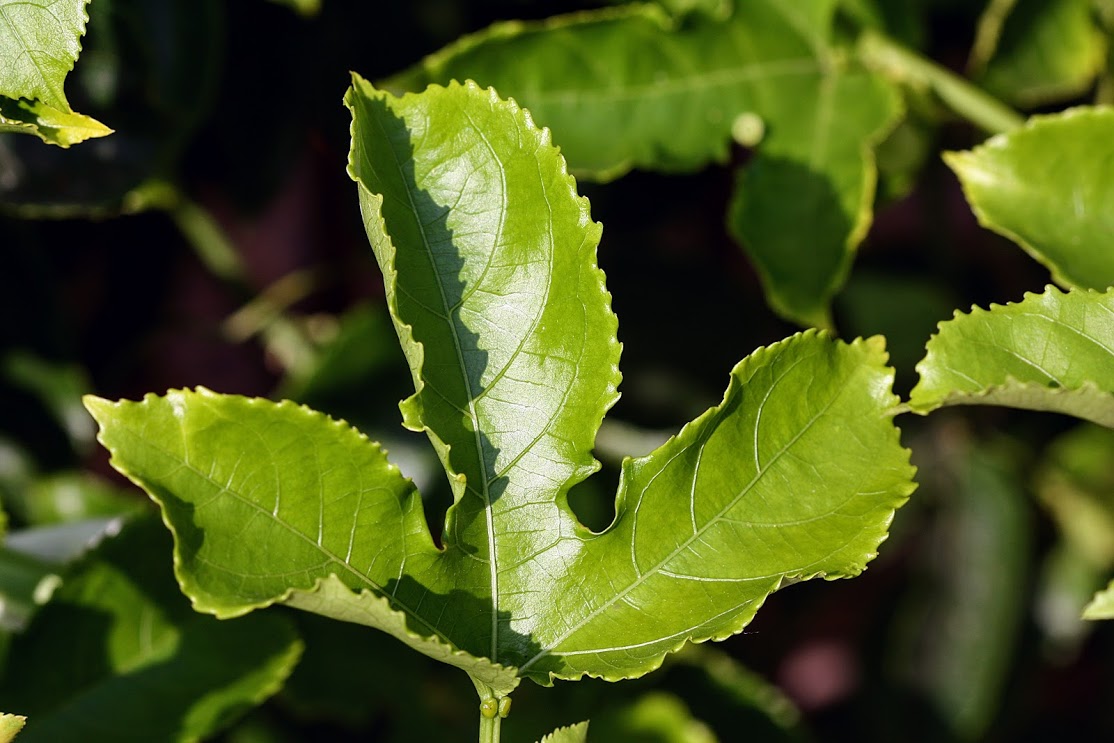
(488, 255)
(39, 42)
(1051, 351)
(1048, 188)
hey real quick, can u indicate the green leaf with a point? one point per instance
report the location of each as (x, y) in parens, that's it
(53, 126)
(119, 656)
(577, 733)
(1034, 52)
(39, 43)
(1102, 605)
(805, 201)
(303, 7)
(1047, 188)
(630, 88)
(488, 256)
(1051, 351)
(10, 725)
(963, 631)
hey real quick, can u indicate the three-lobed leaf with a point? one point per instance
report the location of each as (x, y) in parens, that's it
(488, 257)
(1047, 187)
(1052, 351)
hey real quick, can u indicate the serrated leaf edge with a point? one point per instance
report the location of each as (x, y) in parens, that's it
(1011, 384)
(874, 355)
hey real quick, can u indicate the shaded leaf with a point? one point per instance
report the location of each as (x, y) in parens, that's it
(1051, 351)
(967, 615)
(629, 88)
(140, 665)
(1035, 52)
(654, 717)
(488, 257)
(803, 245)
(1047, 188)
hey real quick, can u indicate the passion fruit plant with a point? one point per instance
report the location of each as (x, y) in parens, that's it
(488, 259)
(488, 255)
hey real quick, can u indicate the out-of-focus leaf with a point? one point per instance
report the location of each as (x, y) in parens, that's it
(1076, 484)
(58, 386)
(654, 717)
(1051, 351)
(33, 562)
(26, 583)
(506, 323)
(1102, 605)
(357, 678)
(577, 733)
(39, 42)
(304, 7)
(70, 496)
(903, 309)
(962, 636)
(805, 201)
(1034, 52)
(139, 664)
(628, 87)
(719, 689)
(9, 726)
(1047, 187)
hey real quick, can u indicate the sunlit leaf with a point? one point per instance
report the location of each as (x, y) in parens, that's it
(10, 725)
(1052, 351)
(39, 42)
(54, 126)
(488, 255)
(577, 733)
(1102, 605)
(1048, 188)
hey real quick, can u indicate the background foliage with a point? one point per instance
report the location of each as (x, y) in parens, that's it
(203, 244)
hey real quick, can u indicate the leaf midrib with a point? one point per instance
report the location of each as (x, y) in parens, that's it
(644, 576)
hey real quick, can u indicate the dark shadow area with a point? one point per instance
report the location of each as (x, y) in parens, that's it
(465, 619)
(804, 236)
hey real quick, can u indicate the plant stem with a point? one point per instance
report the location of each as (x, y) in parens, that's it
(905, 66)
(489, 728)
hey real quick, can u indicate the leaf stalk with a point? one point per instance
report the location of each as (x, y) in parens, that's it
(904, 66)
